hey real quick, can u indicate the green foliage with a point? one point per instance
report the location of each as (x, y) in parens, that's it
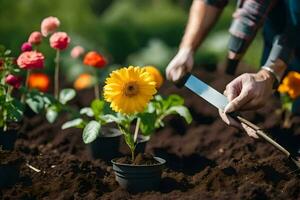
(78, 123)
(91, 131)
(158, 109)
(40, 102)
(66, 95)
(11, 109)
(151, 118)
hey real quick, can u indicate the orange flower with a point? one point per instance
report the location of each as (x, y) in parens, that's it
(94, 59)
(84, 81)
(39, 81)
(156, 75)
(291, 85)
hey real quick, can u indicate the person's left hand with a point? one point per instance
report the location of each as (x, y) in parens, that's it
(247, 92)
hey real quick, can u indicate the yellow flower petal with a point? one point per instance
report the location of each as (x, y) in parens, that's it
(129, 89)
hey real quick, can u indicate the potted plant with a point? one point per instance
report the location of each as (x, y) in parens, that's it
(105, 143)
(11, 109)
(11, 113)
(129, 91)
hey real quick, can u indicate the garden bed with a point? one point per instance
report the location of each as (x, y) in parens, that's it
(205, 160)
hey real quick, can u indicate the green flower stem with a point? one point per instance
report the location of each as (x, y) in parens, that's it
(26, 85)
(132, 154)
(96, 86)
(8, 97)
(97, 91)
(56, 75)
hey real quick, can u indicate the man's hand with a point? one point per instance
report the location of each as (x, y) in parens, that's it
(247, 92)
(181, 64)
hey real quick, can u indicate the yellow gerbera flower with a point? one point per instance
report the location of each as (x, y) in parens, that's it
(129, 89)
(156, 75)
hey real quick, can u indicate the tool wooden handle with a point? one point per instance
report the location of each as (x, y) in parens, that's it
(262, 134)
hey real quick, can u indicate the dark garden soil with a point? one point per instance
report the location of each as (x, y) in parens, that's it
(205, 160)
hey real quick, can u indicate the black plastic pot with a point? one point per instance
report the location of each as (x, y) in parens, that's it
(9, 168)
(9, 174)
(139, 178)
(8, 139)
(106, 147)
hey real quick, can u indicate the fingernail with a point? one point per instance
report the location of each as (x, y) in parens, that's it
(228, 108)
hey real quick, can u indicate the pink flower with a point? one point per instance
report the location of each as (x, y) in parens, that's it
(35, 38)
(59, 40)
(13, 80)
(49, 25)
(77, 51)
(26, 46)
(31, 60)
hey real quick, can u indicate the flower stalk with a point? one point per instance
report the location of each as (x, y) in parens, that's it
(96, 86)
(56, 75)
(26, 84)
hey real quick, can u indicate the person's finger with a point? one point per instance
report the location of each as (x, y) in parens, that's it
(177, 73)
(249, 131)
(229, 120)
(233, 88)
(253, 104)
(244, 97)
(169, 69)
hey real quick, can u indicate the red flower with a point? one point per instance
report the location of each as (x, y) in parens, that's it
(31, 60)
(26, 47)
(35, 38)
(59, 40)
(94, 59)
(39, 81)
(13, 80)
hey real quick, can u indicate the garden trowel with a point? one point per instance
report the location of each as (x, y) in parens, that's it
(220, 101)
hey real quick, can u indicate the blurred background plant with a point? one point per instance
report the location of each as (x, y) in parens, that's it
(125, 31)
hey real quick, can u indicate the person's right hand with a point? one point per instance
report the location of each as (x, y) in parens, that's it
(181, 64)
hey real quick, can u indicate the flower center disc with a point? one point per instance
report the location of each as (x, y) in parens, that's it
(131, 89)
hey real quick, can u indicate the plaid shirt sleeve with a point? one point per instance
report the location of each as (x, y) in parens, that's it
(248, 18)
(216, 3)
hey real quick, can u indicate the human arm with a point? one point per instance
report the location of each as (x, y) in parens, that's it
(202, 17)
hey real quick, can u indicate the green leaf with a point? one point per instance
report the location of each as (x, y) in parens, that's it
(147, 125)
(108, 118)
(14, 110)
(91, 131)
(87, 111)
(36, 103)
(73, 123)
(175, 100)
(97, 107)
(48, 99)
(7, 52)
(66, 95)
(51, 114)
(182, 111)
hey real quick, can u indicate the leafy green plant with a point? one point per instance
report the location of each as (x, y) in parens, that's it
(11, 108)
(98, 114)
(40, 102)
